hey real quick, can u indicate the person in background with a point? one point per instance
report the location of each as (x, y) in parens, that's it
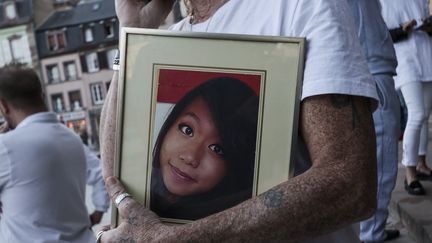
(42, 167)
(94, 178)
(381, 58)
(100, 198)
(414, 79)
(338, 185)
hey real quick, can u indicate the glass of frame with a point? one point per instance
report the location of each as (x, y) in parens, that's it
(205, 121)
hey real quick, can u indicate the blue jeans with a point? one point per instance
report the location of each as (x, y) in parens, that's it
(386, 120)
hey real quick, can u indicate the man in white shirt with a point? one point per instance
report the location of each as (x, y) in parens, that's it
(42, 168)
(380, 55)
(336, 144)
(414, 80)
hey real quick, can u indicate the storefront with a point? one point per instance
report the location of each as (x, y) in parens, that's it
(77, 121)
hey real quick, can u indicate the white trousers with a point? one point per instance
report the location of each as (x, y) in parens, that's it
(418, 99)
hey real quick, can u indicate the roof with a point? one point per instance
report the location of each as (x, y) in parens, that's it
(80, 14)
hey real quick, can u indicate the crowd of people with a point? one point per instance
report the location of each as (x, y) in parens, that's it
(359, 54)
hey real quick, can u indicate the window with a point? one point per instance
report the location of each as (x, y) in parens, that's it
(110, 57)
(57, 102)
(88, 34)
(70, 70)
(10, 10)
(53, 73)
(17, 49)
(109, 29)
(96, 93)
(56, 40)
(92, 62)
(75, 100)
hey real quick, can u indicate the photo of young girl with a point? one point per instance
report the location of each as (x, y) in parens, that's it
(204, 154)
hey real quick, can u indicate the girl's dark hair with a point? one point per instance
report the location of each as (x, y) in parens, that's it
(234, 109)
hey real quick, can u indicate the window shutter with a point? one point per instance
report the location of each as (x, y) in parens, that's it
(83, 64)
(103, 62)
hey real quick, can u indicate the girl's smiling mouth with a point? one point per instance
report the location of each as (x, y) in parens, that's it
(180, 175)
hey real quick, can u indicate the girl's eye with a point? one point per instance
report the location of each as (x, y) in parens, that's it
(186, 129)
(217, 149)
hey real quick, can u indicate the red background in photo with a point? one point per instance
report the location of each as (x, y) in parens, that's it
(174, 84)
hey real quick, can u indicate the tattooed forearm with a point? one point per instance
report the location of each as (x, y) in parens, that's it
(342, 101)
(273, 198)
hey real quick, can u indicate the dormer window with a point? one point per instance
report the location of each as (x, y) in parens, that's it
(10, 10)
(88, 34)
(56, 40)
(109, 29)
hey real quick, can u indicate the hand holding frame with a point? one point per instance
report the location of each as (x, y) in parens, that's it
(138, 224)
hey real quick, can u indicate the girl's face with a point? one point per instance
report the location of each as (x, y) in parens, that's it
(191, 155)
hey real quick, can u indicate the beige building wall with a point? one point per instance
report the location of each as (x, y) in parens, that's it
(60, 60)
(64, 87)
(90, 107)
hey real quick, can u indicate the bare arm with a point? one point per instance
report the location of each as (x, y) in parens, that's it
(108, 128)
(131, 13)
(339, 189)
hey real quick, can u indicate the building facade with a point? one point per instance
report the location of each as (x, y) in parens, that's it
(76, 47)
(17, 41)
(18, 19)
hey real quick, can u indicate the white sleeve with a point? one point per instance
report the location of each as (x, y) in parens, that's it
(5, 167)
(334, 61)
(94, 178)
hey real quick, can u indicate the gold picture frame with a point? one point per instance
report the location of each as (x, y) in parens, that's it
(158, 69)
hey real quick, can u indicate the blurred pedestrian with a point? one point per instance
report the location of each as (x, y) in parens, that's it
(99, 196)
(42, 167)
(414, 79)
(381, 58)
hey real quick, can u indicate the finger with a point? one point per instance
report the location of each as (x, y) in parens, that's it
(114, 189)
(108, 236)
(105, 227)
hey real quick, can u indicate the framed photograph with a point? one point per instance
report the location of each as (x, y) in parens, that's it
(205, 121)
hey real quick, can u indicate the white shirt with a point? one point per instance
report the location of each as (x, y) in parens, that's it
(414, 54)
(334, 61)
(374, 36)
(42, 183)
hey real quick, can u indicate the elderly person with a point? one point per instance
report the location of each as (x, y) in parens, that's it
(338, 184)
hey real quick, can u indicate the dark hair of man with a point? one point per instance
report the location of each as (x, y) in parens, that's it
(234, 109)
(20, 86)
